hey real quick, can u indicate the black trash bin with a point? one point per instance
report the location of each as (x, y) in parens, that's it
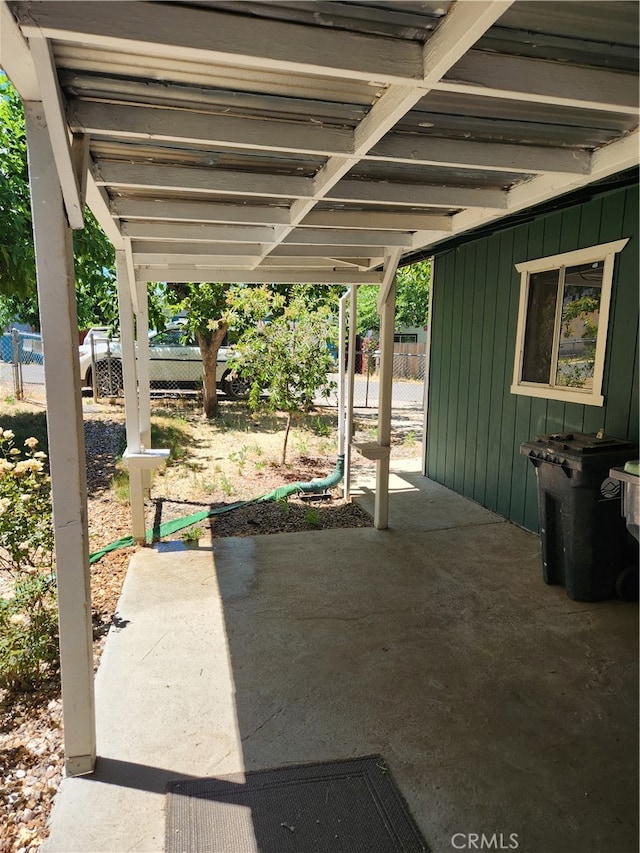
(582, 532)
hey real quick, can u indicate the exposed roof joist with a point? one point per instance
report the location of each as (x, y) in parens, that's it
(268, 139)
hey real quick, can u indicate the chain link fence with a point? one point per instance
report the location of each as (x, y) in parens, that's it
(22, 366)
(176, 371)
(175, 368)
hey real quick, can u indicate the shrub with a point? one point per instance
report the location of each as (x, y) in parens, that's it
(28, 614)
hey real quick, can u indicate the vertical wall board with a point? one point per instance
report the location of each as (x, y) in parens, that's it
(631, 226)
(634, 408)
(507, 470)
(621, 347)
(500, 249)
(486, 366)
(454, 424)
(440, 329)
(466, 320)
(570, 229)
(483, 459)
(590, 218)
(475, 359)
(522, 469)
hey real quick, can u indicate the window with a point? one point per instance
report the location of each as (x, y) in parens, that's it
(562, 325)
(405, 338)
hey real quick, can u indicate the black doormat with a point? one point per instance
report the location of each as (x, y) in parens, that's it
(350, 806)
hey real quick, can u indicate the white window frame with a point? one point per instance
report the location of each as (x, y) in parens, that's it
(605, 252)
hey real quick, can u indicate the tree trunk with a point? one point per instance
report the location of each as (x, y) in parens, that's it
(209, 345)
(286, 437)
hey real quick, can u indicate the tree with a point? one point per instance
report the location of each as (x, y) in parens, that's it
(94, 254)
(287, 356)
(207, 318)
(412, 299)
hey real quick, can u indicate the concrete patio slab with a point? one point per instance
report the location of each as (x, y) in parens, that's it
(500, 706)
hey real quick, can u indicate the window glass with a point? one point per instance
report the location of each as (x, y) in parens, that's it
(579, 325)
(563, 319)
(541, 314)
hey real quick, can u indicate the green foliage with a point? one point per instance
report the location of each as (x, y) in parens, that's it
(94, 255)
(412, 299)
(192, 534)
(29, 634)
(288, 357)
(28, 615)
(26, 531)
(312, 518)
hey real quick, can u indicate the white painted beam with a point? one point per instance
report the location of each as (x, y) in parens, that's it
(199, 211)
(384, 220)
(165, 259)
(608, 160)
(519, 78)
(57, 127)
(463, 25)
(187, 127)
(180, 232)
(423, 150)
(256, 276)
(199, 180)
(208, 35)
(289, 250)
(59, 323)
(425, 195)
(460, 30)
(346, 237)
(174, 247)
(98, 202)
(15, 57)
(313, 262)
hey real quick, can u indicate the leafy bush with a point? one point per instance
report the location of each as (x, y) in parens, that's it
(28, 614)
(29, 633)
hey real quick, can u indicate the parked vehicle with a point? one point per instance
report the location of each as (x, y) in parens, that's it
(174, 362)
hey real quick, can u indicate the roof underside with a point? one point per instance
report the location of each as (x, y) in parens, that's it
(291, 141)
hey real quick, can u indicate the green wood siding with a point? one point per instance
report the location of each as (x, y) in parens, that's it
(475, 425)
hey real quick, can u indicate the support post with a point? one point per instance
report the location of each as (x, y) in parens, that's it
(58, 318)
(131, 403)
(341, 370)
(351, 372)
(387, 310)
(144, 380)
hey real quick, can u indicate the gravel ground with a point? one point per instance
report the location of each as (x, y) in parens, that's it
(30, 730)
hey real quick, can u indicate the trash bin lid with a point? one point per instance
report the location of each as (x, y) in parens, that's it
(633, 467)
(575, 448)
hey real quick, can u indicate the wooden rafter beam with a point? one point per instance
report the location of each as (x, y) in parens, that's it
(53, 107)
(208, 35)
(198, 211)
(256, 276)
(196, 233)
(520, 78)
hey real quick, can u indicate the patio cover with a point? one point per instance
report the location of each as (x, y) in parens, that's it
(286, 142)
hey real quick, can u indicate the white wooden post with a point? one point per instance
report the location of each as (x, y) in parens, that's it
(341, 370)
(144, 382)
(131, 401)
(58, 319)
(387, 311)
(351, 370)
